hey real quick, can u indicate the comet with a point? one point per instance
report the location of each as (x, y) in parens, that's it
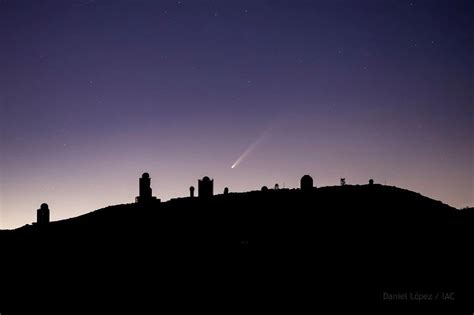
(251, 147)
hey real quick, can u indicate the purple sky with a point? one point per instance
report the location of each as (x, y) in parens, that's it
(93, 93)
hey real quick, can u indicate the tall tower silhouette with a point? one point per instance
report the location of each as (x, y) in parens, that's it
(42, 214)
(144, 190)
(205, 187)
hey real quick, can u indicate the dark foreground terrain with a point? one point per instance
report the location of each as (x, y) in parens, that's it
(350, 247)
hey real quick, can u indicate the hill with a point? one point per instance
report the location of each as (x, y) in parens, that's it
(332, 245)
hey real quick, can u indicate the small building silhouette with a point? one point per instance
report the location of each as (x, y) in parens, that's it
(191, 191)
(42, 214)
(205, 187)
(306, 183)
(145, 192)
(226, 191)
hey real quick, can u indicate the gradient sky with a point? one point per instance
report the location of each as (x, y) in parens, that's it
(93, 93)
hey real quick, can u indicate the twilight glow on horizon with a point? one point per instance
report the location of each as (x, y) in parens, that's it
(252, 92)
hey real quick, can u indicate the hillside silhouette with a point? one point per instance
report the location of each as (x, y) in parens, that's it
(271, 249)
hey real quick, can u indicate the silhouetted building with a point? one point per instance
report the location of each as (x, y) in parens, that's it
(343, 181)
(42, 214)
(226, 191)
(191, 191)
(306, 183)
(205, 187)
(371, 181)
(145, 192)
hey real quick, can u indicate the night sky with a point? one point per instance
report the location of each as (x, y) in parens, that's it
(94, 93)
